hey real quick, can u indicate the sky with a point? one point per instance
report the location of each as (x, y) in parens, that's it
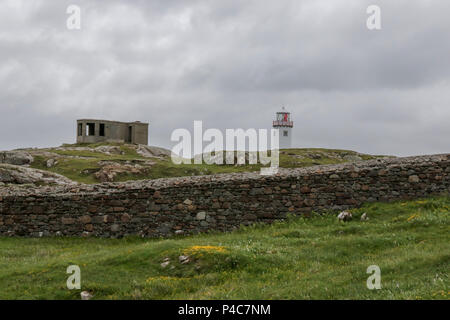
(231, 64)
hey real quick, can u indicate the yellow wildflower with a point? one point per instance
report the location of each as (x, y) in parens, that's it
(202, 249)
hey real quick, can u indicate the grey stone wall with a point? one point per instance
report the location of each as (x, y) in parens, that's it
(164, 207)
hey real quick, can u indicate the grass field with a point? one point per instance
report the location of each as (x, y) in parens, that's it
(302, 258)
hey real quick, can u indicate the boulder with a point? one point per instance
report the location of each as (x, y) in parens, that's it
(86, 295)
(345, 216)
(184, 259)
(50, 163)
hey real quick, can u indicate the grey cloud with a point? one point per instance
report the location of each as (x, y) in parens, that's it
(231, 64)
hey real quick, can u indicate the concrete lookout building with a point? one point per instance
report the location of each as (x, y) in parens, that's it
(92, 131)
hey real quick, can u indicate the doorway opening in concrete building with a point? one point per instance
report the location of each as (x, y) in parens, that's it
(130, 134)
(101, 131)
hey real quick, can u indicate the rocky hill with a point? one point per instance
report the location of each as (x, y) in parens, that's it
(113, 162)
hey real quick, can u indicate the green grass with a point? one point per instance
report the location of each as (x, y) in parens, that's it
(83, 169)
(302, 258)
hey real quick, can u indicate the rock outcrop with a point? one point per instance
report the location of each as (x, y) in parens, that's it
(110, 170)
(12, 174)
(16, 157)
(151, 152)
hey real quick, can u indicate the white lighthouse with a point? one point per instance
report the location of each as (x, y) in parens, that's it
(284, 125)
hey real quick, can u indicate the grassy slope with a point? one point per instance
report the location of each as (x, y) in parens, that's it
(81, 170)
(315, 258)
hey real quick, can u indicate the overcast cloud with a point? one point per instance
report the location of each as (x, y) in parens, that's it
(232, 64)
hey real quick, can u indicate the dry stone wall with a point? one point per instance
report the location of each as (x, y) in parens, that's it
(186, 205)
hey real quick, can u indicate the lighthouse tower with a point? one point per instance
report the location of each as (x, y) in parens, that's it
(284, 125)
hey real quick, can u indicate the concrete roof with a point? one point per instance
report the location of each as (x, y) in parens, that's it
(113, 121)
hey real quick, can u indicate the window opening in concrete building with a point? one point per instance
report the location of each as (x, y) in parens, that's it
(90, 129)
(102, 130)
(80, 129)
